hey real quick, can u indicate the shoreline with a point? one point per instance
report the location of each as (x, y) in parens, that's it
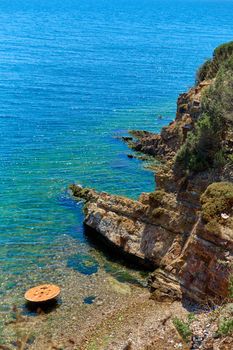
(120, 312)
(183, 228)
(178, 230)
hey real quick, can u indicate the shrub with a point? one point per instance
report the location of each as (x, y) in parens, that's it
(191, 317)
(211, 67)
(183, 329)
(204, 72)
(223, 52)
(225, 327)
(217, 101)
(217, 199)
(1, 332)
(213, 227)
(219, 159)
(205, 146)
(197, 154)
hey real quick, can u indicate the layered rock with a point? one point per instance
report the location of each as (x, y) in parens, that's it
(166, 229)
(147, 232)
(170, 236)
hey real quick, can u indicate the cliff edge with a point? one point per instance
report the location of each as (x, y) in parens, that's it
(184, 229)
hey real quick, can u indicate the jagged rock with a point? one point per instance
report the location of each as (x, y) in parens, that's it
(192, 260)
(171, 137)
(166, 230)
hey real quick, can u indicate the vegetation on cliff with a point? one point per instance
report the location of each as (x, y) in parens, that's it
(183, 228)
(217, 203)
(208, 145)
(211, 67)
(216, 200)
(183, 329)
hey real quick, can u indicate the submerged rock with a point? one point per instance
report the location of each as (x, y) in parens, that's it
(84, 264)
(119, 287)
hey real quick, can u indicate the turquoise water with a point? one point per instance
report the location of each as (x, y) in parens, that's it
(75, 75)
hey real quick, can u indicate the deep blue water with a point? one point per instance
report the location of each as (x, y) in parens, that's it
(74, 76)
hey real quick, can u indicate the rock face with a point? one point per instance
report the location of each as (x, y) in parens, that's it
(170, 235)
(172, 136)
(166, 228)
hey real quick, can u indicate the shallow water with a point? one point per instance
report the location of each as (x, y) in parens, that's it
(74, 77)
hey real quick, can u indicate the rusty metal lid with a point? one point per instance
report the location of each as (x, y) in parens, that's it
(42, 293)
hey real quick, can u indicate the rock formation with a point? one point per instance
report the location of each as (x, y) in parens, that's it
(171, 137)
(169, 229)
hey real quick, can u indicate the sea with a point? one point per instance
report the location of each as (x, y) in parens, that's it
(76, 76)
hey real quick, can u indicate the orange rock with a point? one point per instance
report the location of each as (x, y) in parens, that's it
(42, 293)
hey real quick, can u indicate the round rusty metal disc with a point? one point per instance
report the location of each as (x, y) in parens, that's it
(42, 293)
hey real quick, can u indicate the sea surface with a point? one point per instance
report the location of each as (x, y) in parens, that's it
(74, 77)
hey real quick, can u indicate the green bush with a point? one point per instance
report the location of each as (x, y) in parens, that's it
(211, 67)
(1, 332)
(183, 329)
(204, 72)
(198, 152)
(205, 146)
(217, 199)
(225, 327)
(213, 226)
(223, 52)
(191, 317)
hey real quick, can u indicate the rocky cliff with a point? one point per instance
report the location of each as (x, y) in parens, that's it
(184, 229)
(166, 144)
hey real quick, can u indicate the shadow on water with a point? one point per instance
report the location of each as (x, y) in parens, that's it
(35, 309)
(118, 263)
(89, 300)
(83, 263)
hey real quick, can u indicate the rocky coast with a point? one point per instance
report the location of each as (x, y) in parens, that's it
(181, 234)
(184, 229)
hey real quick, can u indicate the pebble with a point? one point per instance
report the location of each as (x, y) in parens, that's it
(197, 342)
